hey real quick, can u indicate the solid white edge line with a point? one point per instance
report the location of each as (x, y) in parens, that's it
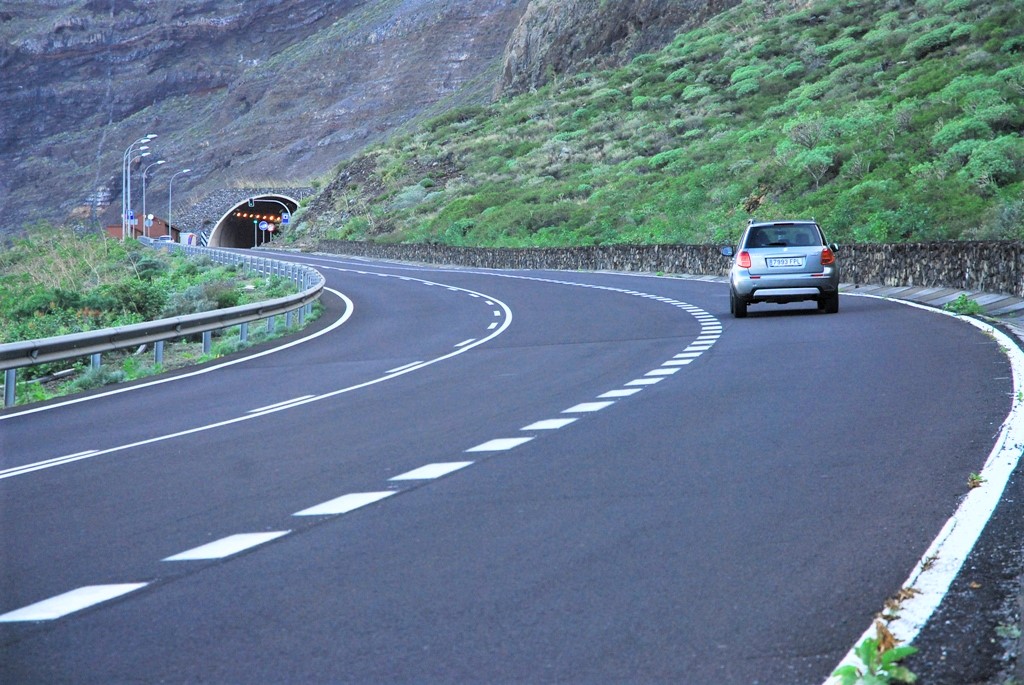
(956, 540)
(69, 602)
(277, 405)
(403, 367)
(56, 461)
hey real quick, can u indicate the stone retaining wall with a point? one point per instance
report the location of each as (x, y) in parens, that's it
(995, 267)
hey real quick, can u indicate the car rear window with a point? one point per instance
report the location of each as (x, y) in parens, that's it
(784, 235)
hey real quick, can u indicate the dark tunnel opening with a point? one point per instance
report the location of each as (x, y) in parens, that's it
(261, 219)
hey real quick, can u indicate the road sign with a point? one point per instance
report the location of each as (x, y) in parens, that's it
(285, 218)
(131, 215)
(263, 225)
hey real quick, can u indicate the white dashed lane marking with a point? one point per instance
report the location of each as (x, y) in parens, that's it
(499, 445)
(623, 392)
(645, 381)
(226, 547)
(345, 503)
(549, 424)
(70, 602)
(432, 471)
(585, 407)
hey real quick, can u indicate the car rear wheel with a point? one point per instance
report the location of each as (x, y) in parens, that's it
(737, 306)
(829, 303)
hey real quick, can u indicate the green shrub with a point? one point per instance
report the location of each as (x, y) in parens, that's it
(964, 128)
(933, 40)
(138, 297)
(668, 156)
(1000, 161)
(681, 75)
(96, 377)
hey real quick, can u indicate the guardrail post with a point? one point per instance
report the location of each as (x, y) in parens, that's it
(243, 332)
(96, 360)
(207, 341)
(10, 379)
(288, 319)
(302, 316)
(158, 349)
(270, 324)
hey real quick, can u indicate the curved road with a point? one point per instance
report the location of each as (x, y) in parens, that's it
(472, 476)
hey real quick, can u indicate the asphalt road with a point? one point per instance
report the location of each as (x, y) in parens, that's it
(626, 485)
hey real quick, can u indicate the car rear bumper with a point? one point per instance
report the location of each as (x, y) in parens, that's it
(784, 287)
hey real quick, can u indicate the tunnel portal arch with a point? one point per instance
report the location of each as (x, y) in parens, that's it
(240, 225)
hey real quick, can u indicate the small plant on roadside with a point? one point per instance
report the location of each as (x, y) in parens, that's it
(974, 480)
(1008, 631)
(880, 665)
(964, 306)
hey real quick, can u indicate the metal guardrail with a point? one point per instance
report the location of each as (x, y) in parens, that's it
(93, 343)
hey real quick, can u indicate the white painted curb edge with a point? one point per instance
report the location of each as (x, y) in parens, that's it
(947, 553)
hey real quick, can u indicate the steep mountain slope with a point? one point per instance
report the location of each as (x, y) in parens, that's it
(559, 37)
(888, 120)
(260, 92)
(236, 91)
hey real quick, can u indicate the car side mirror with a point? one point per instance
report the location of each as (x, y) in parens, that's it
(727, 251)
(834, 247)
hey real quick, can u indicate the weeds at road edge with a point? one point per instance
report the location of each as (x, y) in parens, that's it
(964, 306)
(879, 656)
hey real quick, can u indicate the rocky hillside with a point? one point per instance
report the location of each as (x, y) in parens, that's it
(898, 122)
(265, 92)
(559, 37)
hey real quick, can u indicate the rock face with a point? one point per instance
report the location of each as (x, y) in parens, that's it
(265, 92)
(261, 92)
(562, 36)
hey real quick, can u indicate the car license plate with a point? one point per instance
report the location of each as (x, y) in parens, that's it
(785, 261)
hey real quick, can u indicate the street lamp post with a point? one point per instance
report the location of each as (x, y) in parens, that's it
(170, 188)
(126, 160)
(145, 228)
(130, 213)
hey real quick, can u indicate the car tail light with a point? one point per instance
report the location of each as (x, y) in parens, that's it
(743, 260)
(827, 257)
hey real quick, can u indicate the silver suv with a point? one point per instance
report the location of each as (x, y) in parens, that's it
(783, 261)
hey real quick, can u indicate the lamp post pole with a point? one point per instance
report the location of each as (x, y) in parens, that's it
(170, 188)
(130, 213)
(126, 160)
(145, 228)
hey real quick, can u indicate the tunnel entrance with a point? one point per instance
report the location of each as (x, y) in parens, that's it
(257, 220)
